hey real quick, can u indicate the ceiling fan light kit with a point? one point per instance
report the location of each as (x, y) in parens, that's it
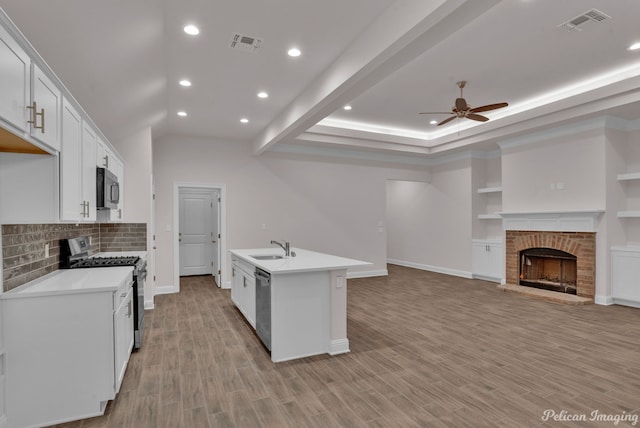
(462, 109)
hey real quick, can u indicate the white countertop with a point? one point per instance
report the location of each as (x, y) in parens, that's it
(305, 261)
(73, 281)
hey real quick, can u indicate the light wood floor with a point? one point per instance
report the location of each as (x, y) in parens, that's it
(427, 350)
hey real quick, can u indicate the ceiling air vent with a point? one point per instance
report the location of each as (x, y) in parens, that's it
(245, 43)
(593, 15)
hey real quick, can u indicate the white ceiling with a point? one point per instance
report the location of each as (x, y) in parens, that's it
(390, 60)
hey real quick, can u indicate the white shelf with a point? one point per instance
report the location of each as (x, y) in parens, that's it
(489, 216)
(629, 214)
(490, 189)
(629, 176)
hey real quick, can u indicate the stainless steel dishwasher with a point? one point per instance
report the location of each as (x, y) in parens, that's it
(263, 306)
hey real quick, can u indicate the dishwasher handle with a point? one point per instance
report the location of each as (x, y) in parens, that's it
(263, 277)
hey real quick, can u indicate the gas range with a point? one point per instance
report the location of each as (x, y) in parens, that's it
(77, 253)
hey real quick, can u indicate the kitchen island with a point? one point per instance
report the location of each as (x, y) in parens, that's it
(307, 300)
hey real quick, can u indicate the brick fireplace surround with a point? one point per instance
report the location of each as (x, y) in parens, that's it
(580, 244)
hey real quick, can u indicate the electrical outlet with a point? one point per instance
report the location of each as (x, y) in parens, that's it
(46, 251)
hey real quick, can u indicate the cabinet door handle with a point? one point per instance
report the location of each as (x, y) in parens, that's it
(34, 116)
(106, 161)
(129, 309)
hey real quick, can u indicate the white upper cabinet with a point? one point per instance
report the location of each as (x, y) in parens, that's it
(15, 85)
(45, 110)
(117, 167)
(77, 168)
(89, 147)
(31, 104)
(102, 155)
(71, 206)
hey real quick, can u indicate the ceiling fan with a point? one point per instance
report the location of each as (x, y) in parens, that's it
(462, 109)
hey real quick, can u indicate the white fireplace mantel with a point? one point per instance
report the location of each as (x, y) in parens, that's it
(552, 221)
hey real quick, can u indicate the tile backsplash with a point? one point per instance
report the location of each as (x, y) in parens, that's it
(23, 246)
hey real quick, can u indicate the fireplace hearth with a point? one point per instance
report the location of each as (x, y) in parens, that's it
(548, 269)
(553, 260)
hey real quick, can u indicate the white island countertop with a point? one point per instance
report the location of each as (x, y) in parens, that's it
(73, 281)
(304, 261)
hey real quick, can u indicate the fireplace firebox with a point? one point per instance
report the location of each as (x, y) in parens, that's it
(549, 269)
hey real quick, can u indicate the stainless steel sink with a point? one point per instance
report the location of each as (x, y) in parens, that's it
(267, 257)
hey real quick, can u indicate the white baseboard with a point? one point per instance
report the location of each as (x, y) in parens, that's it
(603, 300)
(148, 305)
(437, 269)
(165, 289)
(490, 279)
(625, 302)
(367, 274)
(226, 285)
(339, 346)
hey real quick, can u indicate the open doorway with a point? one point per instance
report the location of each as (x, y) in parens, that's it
(199, 225)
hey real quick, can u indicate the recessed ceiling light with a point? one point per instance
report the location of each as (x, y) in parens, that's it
(347, 107)
(433, 122)
(294, 52)
(191, 30)
(263, 94)
(634, 47)
(244, 120)
(185, 82)
(182, 113)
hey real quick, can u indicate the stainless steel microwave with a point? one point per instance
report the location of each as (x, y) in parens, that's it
(108, 190)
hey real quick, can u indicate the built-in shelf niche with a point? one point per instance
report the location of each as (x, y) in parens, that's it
(629, 178)
(493, 202)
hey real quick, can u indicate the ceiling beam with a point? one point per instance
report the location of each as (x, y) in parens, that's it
(404, 31)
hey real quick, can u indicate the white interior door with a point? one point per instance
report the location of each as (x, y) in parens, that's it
(196, 232)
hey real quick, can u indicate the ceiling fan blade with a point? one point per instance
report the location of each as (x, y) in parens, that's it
(488, 107)
(436, 112)
(461, 104)
(477, 117)
(447, 120)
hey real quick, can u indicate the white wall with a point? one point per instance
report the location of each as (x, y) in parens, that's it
(327, 205)
(576, 161)
(137, 152)
(429, 224)
(138, 171)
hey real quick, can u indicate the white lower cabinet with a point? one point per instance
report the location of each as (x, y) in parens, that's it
(243, 289)
(625, 275)
(66, 353)
(488, 259)
(123, 332)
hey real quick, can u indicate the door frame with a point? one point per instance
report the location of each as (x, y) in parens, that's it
(222, 219)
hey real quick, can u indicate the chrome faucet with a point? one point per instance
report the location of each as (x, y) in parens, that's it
(284, 246)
